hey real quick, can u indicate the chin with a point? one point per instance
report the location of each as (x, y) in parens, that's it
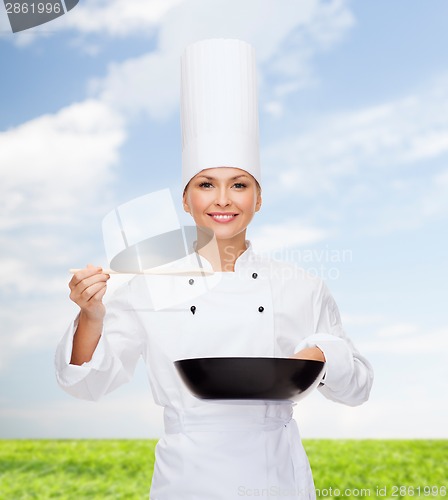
(226, 235)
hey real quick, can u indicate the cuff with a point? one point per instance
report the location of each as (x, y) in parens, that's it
(68, 374)
(338, 358)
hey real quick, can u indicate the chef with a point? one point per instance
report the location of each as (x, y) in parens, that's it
(249, 306)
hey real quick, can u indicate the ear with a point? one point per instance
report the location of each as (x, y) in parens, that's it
(258, 202)
(185, 203)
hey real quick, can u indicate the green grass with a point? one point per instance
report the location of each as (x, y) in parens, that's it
(380, 466)
(76, 469)
(121, 469)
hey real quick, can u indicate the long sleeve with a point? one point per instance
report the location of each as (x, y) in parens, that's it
(115, 357)
(349, 376)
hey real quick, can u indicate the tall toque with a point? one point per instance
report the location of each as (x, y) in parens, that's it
(219, 108)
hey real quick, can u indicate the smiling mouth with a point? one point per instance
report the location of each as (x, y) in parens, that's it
(222, 217)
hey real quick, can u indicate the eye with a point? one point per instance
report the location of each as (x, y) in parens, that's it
(240, 185)
(205, 184)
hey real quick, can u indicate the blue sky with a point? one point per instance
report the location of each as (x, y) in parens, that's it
(354, 144)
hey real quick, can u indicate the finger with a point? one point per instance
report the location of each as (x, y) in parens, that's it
(87, 288)
(96, 278)
(80, 286)
(90, 293)
(81, 275)
(100, 294)
(87, 272)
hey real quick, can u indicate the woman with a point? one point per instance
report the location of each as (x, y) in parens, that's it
(249, 307)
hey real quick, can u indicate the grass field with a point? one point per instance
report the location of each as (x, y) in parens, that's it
(121, 469)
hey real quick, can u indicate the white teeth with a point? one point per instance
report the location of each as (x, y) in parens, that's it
(223, 217)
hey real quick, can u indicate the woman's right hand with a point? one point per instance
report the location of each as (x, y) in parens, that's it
(87, 289)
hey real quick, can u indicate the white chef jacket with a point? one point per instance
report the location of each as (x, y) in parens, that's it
(221, 450)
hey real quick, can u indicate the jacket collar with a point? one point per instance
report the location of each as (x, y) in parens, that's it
(244, 261)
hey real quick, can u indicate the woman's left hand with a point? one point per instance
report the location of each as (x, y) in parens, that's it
(309, 353)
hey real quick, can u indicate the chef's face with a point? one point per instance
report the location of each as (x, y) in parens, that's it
(223, 199)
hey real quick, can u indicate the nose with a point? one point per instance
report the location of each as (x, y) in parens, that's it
(222, 197)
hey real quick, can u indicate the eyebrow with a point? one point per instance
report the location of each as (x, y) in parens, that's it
(232, 178)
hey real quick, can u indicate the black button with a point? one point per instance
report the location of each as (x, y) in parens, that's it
(261, 309)
(255, 276)
(191, 281)
(193, 309)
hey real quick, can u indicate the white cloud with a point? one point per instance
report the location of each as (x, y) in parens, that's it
(434, 200)
(149, 83)
(259, 22)
(9, 268)
(361, 319)
(118, 18)
(113, 18)
(34, 314)
(331, 23)
(74, 418)
(382, 166)
(397, 330)
(53, 165)
(406, 339)
(290, 35)
(379, 138)
(55, 172)
(319, 26)
(274, 108)
(291, 233)
(405, 401)
(285, 40)
(379, 418)
(418, 416)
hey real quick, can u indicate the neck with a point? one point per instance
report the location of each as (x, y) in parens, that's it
(221, 253)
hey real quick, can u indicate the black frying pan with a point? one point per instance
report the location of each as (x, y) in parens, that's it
(250, 378)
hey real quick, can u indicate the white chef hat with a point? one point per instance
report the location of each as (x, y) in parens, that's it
(219, 109)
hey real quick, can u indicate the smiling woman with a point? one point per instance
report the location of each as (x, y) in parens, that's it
(224, 200)
(249, 307)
